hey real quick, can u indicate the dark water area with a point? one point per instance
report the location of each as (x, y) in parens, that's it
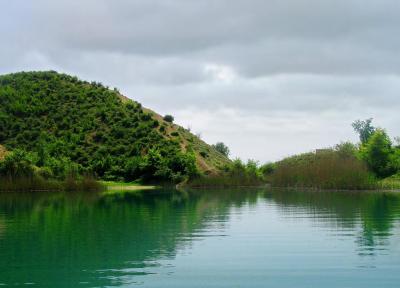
(230, 238)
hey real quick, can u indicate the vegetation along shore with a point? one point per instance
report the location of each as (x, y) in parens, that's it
(58, 132)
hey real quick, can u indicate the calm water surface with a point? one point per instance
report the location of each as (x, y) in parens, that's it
(247, 238)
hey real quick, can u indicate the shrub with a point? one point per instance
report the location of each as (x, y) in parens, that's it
(168, 118)
(235, 174)
(16, 164)
(377, 153)
(221, 148)
(204, 154)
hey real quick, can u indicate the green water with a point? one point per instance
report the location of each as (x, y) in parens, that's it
(248, 238)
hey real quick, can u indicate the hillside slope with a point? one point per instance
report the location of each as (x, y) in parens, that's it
(69, 124)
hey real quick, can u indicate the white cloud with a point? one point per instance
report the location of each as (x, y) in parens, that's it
(220, 73)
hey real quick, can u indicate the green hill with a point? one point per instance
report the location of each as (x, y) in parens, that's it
(67, 124)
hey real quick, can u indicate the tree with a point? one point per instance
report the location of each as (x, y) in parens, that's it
(346, 149)
(364, 129)
(169, 118)
(397, 141)
(377, 153)
(221, 148)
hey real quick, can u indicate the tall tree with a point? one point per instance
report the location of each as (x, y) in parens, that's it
(364, 129)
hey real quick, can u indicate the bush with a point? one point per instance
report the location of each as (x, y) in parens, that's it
(235, 174)
(204, 154)
(168, 118)
(268, 168)
(16, 164)
(377, 153)
(221, 148)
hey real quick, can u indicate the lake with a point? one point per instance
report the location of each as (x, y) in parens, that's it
(229, 238)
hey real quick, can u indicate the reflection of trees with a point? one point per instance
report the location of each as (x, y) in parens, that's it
(55, 236)
(2, 226)
(64, 233)
(375, 212)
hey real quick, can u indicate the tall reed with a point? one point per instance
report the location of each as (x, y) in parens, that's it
(328, 169)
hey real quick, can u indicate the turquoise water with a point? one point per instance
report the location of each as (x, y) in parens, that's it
(247, 238)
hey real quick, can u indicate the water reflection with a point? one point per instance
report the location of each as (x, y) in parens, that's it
(374, 213)
(114, 240)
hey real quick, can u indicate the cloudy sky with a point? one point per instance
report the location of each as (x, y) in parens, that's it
(270, 78)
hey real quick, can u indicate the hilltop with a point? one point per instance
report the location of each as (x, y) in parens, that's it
(66, 124)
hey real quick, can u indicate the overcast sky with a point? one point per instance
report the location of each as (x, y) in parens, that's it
(270, 78)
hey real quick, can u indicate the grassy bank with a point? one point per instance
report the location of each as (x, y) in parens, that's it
(111, 186)
(40, 184)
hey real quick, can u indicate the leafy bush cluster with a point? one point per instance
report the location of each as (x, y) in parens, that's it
(234, 174)
(377, 149)
(75, 127)
(18, 171)
(221, 148)
(381, 156)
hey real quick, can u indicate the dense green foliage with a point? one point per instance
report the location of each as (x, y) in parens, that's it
(18, 172)
(71, 126)
(378, 154)
(377, 150)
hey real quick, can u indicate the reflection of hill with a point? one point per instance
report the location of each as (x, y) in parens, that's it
(75, 232)
(375, 212)
(102, 239)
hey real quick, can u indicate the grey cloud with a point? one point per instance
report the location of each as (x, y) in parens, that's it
(276, 70)
(307, 93)
(297, 36)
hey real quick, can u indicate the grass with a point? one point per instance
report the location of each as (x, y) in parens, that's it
(109, 184)
(325, 170)
(40, 184)
(390, 183)
(114, 187)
